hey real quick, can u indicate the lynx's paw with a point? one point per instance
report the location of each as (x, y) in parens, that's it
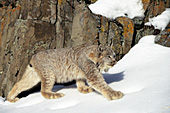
(113, 95)
(51, 95)
(85, 89)
(13, 100)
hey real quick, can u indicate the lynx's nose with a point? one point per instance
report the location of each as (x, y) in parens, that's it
(114, 61)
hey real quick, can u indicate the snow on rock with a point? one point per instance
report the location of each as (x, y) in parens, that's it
(160, 21)
(143, 75)
(116, 8)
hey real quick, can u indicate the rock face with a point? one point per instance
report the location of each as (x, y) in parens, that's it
(164, 37)
(29, 26)
(20, 39)
(128, 31)
(84, 26)
(153, 8)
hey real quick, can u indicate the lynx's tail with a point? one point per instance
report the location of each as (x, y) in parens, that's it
(28, 80)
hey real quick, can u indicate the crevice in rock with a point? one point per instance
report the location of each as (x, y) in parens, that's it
(107, 41)
(1, 5)
(99, 25)
(134, 37)
(17, 73)
(71, 5)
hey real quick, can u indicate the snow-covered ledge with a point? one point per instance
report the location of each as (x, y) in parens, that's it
(115, 8)
(161, 21)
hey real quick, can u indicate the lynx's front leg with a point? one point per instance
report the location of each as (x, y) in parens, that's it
(81, 86)
(96, 81)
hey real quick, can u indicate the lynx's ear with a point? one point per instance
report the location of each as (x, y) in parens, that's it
(100, 48)
(110, 44)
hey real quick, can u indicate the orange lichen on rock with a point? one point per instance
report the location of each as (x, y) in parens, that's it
(9, 14)
(61, 1)
(128, 26)
(85, 18)
(5, 19)
(13, 10)
(128, 31)
(131, 27)
(159, 7)
(168, 31)
(145, 4)
(18, 7)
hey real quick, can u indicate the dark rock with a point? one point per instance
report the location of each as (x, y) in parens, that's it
(138, 22)
(128, 31)
(147, 30)
(155, 7)
(65, 15)
(152, 8)
(164, 37)
(104, 28)
(84, 27)
(145, 4)
(115, 37)
(167, 2)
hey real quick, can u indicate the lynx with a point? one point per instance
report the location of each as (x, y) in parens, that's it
(83, 63)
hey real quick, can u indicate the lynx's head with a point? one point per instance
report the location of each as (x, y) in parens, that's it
(106, 58)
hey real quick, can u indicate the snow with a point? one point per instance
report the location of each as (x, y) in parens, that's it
(115, 8)
(160, 21)
(143, 75)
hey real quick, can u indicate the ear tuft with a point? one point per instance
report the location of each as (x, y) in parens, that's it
(110, 44)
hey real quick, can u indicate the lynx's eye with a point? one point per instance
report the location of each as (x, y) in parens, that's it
(114, 56)
(109, 56)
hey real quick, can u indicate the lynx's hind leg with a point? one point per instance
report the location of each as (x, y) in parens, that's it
(81, 86)
(47, 83)
(28, 80)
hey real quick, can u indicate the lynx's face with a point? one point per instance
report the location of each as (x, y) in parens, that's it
(107, 59)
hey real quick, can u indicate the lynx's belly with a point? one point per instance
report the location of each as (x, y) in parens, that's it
(67, 71)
